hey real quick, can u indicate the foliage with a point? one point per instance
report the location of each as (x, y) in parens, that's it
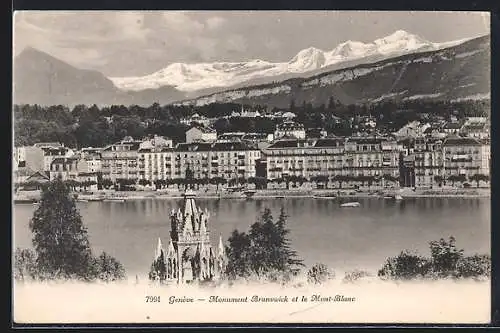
(107, 269)
(61, 245)
(446, 261)
(93, 126)
(319, 273)
(264, 252)
(445, 257)
(355, 275)
(60, 238)
(405, 266)
(25, 264)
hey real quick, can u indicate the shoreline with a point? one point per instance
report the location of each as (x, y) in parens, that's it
(332, 194)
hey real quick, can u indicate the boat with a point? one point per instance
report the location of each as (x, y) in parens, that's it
(114, 200)
(350, 204)
(396, 197)
(325, 196)
(249, 193)
(82, 200)
(280, 197)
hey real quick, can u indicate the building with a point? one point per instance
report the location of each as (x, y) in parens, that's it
(229, 160)
(190, 257)
(290, 128)
(30, 157)
(64, 167)
(371, 156)
(428, 161)
(332, 157)
(233, 160)
(156, 143)
(452, 128)
(478, 130)
(120, 160)
(51, 153)
(156, 164)
(466, 157)
(198, 133)
(197, 119)
(231, 136)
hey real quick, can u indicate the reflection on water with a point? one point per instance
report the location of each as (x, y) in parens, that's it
(321, 231)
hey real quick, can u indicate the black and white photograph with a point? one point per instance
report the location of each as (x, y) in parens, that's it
(205, 167)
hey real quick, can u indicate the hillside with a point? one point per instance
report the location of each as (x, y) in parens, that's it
(42, 79)
(457, 72)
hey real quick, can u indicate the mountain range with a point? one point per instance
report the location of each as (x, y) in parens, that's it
(195, 77)
(454, 73)
(42, 79)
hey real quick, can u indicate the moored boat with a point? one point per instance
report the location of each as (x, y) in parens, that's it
(350, 204)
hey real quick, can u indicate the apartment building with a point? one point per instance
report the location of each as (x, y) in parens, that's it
(466, 156)
(229, 160)
(120, 160)
(428, 161)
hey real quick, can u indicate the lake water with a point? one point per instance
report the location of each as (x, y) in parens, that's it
(321, 231)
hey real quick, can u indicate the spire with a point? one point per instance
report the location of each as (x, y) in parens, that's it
(221, 250)
(159, 249)
(171, 250)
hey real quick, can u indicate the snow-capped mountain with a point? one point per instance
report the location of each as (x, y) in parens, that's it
(454, 73)
(199, 76)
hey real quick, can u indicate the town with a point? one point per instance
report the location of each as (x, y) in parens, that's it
(422, 154)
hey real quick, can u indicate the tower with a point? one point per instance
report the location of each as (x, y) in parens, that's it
(189, 256)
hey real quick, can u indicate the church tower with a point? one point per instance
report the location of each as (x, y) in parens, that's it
(190, 256)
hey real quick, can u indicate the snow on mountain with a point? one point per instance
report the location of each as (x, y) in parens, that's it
(193, 77)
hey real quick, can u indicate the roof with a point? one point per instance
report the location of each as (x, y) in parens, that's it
(47, 144)
(451, 125)
(38, 175)
(368, 140)
(291, 143)
(461, 141)
(230, 146)
(290, 125)
(329, 142)
(195, 146)
(203, 129)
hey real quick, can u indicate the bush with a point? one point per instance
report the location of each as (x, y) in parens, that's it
(476, 267)
(319, 273)
(405, 266)
(355, 275)
(446, 261)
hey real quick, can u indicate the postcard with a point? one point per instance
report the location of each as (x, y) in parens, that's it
(215, 167)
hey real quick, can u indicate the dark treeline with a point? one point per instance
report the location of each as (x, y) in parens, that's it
(91, 126)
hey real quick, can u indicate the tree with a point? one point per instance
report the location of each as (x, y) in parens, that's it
(445, 257)
(25, 264)
(108, 269)
(62, 249)
(264, 251)
(439, 179)
(237, 253)
(319, 273)
(478, 178)
(60, 238)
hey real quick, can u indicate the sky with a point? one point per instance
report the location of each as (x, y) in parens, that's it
(135, 43)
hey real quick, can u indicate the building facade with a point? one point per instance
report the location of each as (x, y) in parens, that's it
(120, 160)
(203, 134)
(290, 128)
